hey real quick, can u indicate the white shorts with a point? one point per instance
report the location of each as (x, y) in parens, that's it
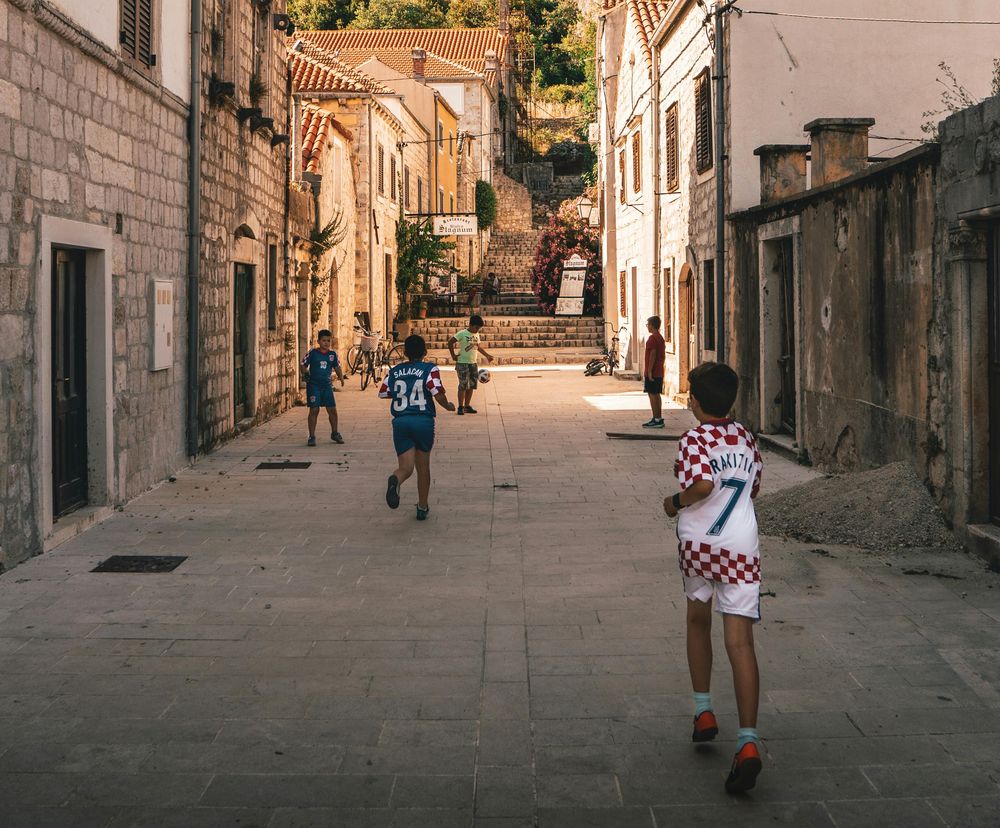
(730, 599)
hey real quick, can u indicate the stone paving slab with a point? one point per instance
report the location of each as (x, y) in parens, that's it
(517, 660)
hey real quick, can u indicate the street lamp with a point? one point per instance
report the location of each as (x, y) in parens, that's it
(585, 207)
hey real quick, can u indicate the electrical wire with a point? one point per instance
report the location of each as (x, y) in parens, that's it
(871, 19)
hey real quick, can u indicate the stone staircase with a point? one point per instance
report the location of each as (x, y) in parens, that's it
(519, 339)
(516, 330)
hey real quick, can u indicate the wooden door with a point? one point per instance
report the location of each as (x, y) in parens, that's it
(786, 289)
(993, 292)
(685, 326)
(242, 319)
(69, 381)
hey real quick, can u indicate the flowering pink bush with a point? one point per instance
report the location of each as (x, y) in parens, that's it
(566, 234)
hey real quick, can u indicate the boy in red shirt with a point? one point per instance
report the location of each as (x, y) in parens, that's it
(656, 355)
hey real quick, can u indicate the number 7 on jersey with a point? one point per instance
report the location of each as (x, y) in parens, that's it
(737, 486)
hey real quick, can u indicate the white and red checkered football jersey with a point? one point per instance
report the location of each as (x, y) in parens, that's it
(718, 535)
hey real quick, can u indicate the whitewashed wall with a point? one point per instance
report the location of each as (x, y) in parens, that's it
(785, 71)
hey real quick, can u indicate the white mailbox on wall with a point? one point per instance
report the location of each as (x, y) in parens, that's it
(163, 324)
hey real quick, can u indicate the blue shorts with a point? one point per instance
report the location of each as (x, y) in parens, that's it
(413, 432)
(320, 396)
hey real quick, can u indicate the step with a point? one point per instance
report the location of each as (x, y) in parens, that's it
(525, 356)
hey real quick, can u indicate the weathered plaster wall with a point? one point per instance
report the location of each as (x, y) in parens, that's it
(867, 263)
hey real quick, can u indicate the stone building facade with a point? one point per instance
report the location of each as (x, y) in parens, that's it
(248, 356)
(93, 197)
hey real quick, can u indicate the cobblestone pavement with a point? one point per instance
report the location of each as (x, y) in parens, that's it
(516, 660)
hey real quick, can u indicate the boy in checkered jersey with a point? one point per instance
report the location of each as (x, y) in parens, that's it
(719, 469)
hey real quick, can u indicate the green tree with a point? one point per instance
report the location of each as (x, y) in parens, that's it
(420, 253)
(322, 14)
(400, 14)
(486, 204)
(472, 14)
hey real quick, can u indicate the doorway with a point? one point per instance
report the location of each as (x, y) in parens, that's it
(634, 350)
(993, 293)
(242, 320)
(785, 272)
(69, 381)
(685, 326)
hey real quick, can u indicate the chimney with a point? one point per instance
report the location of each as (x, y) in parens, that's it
(503, 16)
(782, 170)
(419, 59)
(492, 63)
(839, 148)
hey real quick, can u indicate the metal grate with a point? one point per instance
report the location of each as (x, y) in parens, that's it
(614, 435)
(140, 563)
(284, 464)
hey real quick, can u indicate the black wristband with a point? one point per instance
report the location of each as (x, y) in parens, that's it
(676, 500)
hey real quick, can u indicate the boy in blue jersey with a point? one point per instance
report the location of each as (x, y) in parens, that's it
(413, 386)
(318, 367)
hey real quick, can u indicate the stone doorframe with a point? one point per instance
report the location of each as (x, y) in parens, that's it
(247, 250)
(969, 434)
(770, 327)
(96, 242)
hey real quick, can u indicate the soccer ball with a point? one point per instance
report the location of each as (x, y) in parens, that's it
(484, 375)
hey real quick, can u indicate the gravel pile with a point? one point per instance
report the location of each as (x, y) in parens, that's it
(885, 508)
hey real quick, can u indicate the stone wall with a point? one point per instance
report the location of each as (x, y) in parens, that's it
(244, 181)
(866, 273)
(86, 138)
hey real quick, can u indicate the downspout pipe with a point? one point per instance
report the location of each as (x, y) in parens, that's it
(372, 172)
(194, 232)
(721, 10)
(656, 183)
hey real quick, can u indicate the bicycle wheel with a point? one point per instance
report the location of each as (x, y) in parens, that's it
(395, 356)
(593, 367)
(367, 369)
(354, 358)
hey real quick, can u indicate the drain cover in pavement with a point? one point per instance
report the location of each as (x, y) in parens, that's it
(284, 464)
(140, 563)
(614, 435)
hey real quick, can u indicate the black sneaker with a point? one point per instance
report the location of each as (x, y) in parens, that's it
(337, 437)
(422, 512)
(461, 409)
(311, 441)
(470, 410)
(392, 492)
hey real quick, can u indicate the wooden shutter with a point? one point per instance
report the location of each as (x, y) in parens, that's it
(668, 305)
(392, 175)
(703, 121)
(637, 162)
(621, 175)
(406, 187)
(136, 33)
(381, 171)
(672, 150)
(622, 293)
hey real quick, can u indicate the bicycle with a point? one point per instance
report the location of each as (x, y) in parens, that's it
(369, 349)
(609, 359)
(384, 357)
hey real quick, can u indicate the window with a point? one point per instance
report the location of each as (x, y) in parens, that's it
(136, 32)
(261, 41)
(621, 175)
(672, 154)
(708, 281)
(440, 199)
(392, 178)
(440, 137)
(637, 162)
(623, 297)
(420, 194)
(272, 287)
(451, 145)
(406, 187)
(668, 305)
(381, 170)
(451, 203)
(703, 121)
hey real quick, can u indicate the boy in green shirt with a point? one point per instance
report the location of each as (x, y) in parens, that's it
(467, 361)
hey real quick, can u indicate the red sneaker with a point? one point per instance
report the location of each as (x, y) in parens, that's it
(746, 766)
(705, 727)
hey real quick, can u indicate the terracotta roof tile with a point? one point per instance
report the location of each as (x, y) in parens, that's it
(317, 124)
(401, 61)
(647, 15)
(314, 70)
(466, 47)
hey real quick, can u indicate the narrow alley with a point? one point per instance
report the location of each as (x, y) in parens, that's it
(517, 660)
